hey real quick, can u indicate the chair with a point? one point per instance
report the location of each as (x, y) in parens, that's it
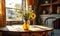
(57, 27)
(50, 24)
(57, 23)
(46, 21)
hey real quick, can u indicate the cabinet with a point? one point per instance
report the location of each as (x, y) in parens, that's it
(49, 7)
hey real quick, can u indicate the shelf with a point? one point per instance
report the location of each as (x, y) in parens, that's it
(49, 14)
(45, 5)
(50, 7)
(56, 3)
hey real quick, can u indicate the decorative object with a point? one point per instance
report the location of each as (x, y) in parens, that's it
(26, 25)
(46, 2)
(27, 15)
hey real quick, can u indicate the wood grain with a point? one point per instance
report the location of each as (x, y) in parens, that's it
(2, 13)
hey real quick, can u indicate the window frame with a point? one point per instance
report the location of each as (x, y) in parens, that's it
(24, 5)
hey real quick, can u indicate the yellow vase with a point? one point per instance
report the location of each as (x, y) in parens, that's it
(26, 25)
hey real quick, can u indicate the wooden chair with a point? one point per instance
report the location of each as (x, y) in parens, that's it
(56, 27)
(47, 24)
(46, 20)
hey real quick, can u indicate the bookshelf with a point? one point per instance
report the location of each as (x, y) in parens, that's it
(49, 7)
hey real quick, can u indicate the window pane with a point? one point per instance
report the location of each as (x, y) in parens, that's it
(11, 14)
(11, 5)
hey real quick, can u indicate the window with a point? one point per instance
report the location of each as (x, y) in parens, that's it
(11, 15)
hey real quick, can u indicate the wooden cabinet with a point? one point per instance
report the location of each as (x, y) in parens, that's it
(49, 7)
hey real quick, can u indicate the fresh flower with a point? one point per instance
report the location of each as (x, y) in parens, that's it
(33, 16)
(27, 14)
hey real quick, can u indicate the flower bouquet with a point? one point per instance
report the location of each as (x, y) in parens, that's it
(27, 15)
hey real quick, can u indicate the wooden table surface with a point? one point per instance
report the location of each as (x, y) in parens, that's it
(33, 30)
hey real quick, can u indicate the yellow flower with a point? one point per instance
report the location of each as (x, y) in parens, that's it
(33, 16)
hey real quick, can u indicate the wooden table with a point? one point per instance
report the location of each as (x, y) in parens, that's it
(17, 30)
